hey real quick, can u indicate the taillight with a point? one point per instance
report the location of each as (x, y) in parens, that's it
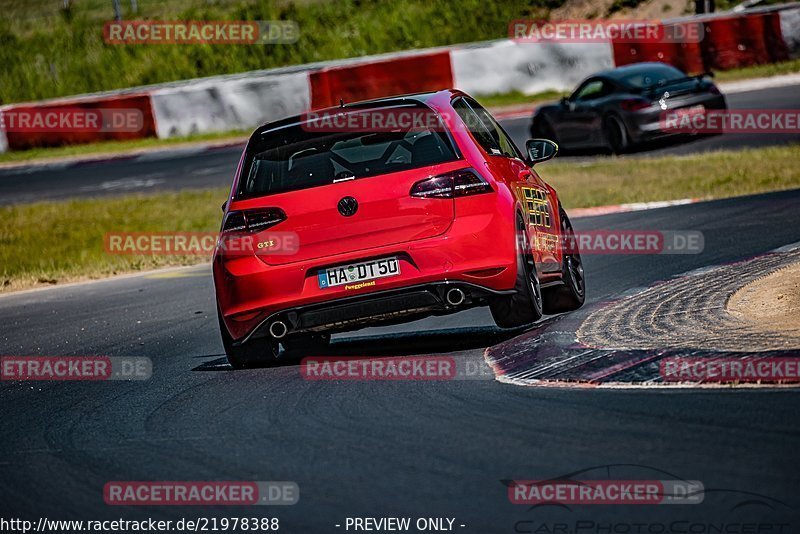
(459, 183)
(253, 220)
(634, 104)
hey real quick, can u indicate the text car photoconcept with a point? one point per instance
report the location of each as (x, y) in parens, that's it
(331, 230)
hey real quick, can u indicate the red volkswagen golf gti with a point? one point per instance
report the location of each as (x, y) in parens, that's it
(337, 220)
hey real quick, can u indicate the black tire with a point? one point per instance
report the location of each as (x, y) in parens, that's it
(572, 294)
(306, 345)
(525, 305)
(259, 352)
(616, 134)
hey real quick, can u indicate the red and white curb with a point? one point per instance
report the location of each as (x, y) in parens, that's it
(625, 208)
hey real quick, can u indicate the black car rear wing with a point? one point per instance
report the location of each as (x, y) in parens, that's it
(659, 86)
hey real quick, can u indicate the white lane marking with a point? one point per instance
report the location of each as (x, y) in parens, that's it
(625, 208)
(125, 184)
(756, 84)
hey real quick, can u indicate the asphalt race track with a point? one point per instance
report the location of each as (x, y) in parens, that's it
(367, 448)
(190, 168)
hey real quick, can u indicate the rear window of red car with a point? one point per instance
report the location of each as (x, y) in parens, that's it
(298, 156)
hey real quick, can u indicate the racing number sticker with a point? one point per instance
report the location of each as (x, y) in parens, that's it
(538, 209)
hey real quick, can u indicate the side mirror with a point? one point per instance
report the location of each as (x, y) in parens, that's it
(224, 205)
(564, 101)
(540, 150)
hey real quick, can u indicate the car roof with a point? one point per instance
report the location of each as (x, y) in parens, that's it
(620, 72)
(423, 98)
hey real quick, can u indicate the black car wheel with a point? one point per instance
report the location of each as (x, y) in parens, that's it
(259, 352)
(616, 134)
(571, 295)
(525, 305)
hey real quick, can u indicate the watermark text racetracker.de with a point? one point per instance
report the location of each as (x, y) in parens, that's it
(200, 243)
(395, 368)
(201, 493)
(233, 32)
(74, 368)
(587, 492)
(622, 242)
(699, 120)
(604, 31)
(781, 369)
(71, 119)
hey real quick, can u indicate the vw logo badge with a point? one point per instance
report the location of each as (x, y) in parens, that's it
(348, 206)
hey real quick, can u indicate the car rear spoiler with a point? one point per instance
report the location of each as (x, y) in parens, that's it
(657, 86)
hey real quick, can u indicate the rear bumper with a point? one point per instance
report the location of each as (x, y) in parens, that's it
(478, 252)
(378, 308)
(649, 125)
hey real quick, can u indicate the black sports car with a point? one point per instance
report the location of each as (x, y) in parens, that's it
(619, 108)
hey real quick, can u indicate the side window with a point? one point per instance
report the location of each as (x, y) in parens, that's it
(592, 90)
(476, 127)
(484, 129)
(506, 145)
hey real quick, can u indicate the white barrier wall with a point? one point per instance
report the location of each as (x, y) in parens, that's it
(790, 28)
(225, 104)
(237, 102)
(503, 66)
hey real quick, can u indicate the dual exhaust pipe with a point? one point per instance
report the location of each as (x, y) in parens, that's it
(454, 297)
(278, 329)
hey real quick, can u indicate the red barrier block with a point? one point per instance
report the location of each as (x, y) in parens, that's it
(740, 41)
(78, 121)
(686, 55)
(776, 47)
(363, 81)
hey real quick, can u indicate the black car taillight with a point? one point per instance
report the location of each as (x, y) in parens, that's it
(459, 183)
(253, 220)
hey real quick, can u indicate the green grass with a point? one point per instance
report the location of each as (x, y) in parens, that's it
(641, 179)
(56, 242)
(114, 147)
(517, 97)
(47, 53)
(52, 242)
(759, 71)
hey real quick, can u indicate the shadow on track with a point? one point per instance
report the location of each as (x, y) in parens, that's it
(398, 344)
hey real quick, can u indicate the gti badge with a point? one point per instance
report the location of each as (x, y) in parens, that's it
(348, 206)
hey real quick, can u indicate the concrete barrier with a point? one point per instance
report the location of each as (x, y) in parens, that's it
(503, 66)
(790, 30)
(220, 105)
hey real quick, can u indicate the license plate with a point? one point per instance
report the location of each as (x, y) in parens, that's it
(358, 272)
(691, 111)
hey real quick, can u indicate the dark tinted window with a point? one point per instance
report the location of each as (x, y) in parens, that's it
(484, 128)
(294, 157)
(593, 90)
(652, 76)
